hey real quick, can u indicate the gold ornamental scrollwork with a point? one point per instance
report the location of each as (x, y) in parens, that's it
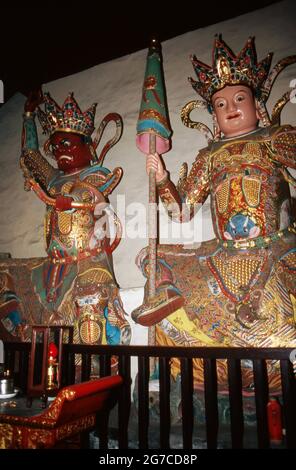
(187, 121)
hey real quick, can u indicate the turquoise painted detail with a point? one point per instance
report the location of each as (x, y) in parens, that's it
(93, 169)
(112, 331)
(157, 127)
(15, 318)
(31, 135)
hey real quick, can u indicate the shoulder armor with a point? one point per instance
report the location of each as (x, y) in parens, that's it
(34, 165)
(283, 144)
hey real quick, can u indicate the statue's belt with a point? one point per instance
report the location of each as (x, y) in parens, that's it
(258, 242)
(73, 259)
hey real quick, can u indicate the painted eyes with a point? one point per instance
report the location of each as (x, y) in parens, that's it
(220, 104)
(54, 147)
(63, 143)
(239, 98)
(66, 143)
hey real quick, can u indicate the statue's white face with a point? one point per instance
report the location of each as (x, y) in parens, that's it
(235, 110)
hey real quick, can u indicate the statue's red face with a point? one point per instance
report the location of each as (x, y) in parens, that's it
(70, 151)
(235, 110)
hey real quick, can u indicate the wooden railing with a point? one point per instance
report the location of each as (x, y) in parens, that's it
(17, 354)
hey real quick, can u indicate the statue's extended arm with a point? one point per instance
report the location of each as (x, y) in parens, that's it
(33, 164)
(29, 134)
(183, 201)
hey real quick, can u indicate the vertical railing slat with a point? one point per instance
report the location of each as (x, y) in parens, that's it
(85, 367)
(23, 368)
(65, 373)
(71, 368)
(105, 365)
(103, 416)
(211, 402)
(187, 401)
(164, 402)
(261, 400)
(10, 360)
(124, 402)
(236, 403)
(289, 404)
(143, 401)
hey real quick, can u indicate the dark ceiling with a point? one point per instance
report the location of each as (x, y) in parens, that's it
(43, 44)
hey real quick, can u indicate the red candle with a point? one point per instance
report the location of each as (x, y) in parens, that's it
(52, 350)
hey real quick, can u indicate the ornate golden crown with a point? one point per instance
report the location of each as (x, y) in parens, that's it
(229, 69)
(68, 118)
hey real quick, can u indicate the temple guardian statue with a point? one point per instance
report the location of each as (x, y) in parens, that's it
(238, 289)
(75, 284)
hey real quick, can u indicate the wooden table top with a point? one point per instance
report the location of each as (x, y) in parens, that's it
(17, 406)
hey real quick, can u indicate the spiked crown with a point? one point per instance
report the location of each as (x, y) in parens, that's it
(68, 118)
(229, 69)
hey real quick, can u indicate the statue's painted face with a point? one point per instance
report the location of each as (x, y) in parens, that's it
(70, 151)
(235, 110)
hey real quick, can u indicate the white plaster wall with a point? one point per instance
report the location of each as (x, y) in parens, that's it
(116, 86)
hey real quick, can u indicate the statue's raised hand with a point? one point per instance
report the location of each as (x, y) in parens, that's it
(34, 99)
(154, 162)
